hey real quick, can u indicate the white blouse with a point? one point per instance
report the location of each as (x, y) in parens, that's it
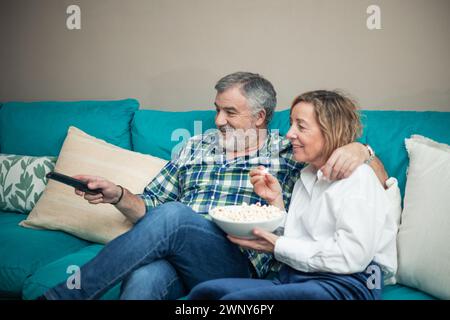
(340, 226)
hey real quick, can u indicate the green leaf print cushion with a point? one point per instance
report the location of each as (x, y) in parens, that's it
(22, 181)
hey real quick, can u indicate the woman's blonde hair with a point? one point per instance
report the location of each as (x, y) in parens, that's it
(337, 115)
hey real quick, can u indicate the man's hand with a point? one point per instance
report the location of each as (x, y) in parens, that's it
(378, 167)
(110, 192)
(130, 205)
(265, 241)
(344, 160)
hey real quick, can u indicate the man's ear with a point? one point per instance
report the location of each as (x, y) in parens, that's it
(261, 119)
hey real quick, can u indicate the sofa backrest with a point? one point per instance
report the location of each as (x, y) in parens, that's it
(159, 132)
(152, 132)
(39, 128)
(386, 132)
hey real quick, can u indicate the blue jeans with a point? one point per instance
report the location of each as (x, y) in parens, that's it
(158, 280)
(290, 285)
(171, 236)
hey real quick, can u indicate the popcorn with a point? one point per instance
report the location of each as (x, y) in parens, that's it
(247, 213)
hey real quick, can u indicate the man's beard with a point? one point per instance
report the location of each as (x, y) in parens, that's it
(237, 140)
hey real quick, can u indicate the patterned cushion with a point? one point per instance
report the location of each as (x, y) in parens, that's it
(22, 181)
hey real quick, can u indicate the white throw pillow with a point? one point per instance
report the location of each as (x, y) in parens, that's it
(424, 235)
(390, 245)
(60, 209)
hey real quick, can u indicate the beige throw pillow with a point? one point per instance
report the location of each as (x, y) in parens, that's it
(60, 209)
(424, 235)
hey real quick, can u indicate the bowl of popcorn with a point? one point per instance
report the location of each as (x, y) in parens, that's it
(240, 220)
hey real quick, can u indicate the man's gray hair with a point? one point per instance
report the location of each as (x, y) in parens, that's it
(259, 92)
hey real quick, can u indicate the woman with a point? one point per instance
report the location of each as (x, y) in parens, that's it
(338, 236)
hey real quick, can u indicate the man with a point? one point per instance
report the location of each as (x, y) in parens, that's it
(172, 247)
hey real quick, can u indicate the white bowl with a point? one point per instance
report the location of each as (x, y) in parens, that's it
(244, 230)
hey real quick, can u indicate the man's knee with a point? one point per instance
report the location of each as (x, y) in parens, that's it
(171, 211)
(174, 208)
(152, 281)
(177, 212)
(174, 205)
(170, 215)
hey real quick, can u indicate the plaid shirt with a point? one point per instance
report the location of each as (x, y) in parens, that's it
(202, 178)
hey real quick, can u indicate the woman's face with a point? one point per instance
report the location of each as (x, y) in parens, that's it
(306, 136)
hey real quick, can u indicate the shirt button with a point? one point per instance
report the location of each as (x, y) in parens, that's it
(212, 197)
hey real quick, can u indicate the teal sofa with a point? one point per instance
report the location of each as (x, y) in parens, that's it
(32, 261)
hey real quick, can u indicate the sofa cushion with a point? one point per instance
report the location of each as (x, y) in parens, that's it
(386, 131)
(280, 121)
(23, 251)
(56, 272)
(23, 179)
(154, 132)
(60, 209)
(423, 252)
(399, 292)
(1, 105)
(39, 128)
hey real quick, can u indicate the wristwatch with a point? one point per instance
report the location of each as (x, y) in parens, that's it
(371, 154)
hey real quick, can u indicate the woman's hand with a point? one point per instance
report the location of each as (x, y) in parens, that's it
(110, 192)
(265, 241)
(267, 187)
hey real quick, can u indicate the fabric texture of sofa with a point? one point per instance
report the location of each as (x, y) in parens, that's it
(32, 261)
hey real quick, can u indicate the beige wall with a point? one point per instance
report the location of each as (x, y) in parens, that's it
(169, 53)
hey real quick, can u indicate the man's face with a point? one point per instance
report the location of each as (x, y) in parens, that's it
(235, 120)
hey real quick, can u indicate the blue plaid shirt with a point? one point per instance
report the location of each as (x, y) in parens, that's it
(202, 177)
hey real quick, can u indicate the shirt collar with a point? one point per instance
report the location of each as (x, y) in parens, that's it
(309, 176)
(273, 144)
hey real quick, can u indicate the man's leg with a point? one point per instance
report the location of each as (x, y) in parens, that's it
(155, 281)
(195, 246)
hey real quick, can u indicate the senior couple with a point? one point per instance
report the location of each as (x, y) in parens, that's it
(337, 225)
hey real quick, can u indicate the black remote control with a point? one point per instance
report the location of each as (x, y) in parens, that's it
(77, 184)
